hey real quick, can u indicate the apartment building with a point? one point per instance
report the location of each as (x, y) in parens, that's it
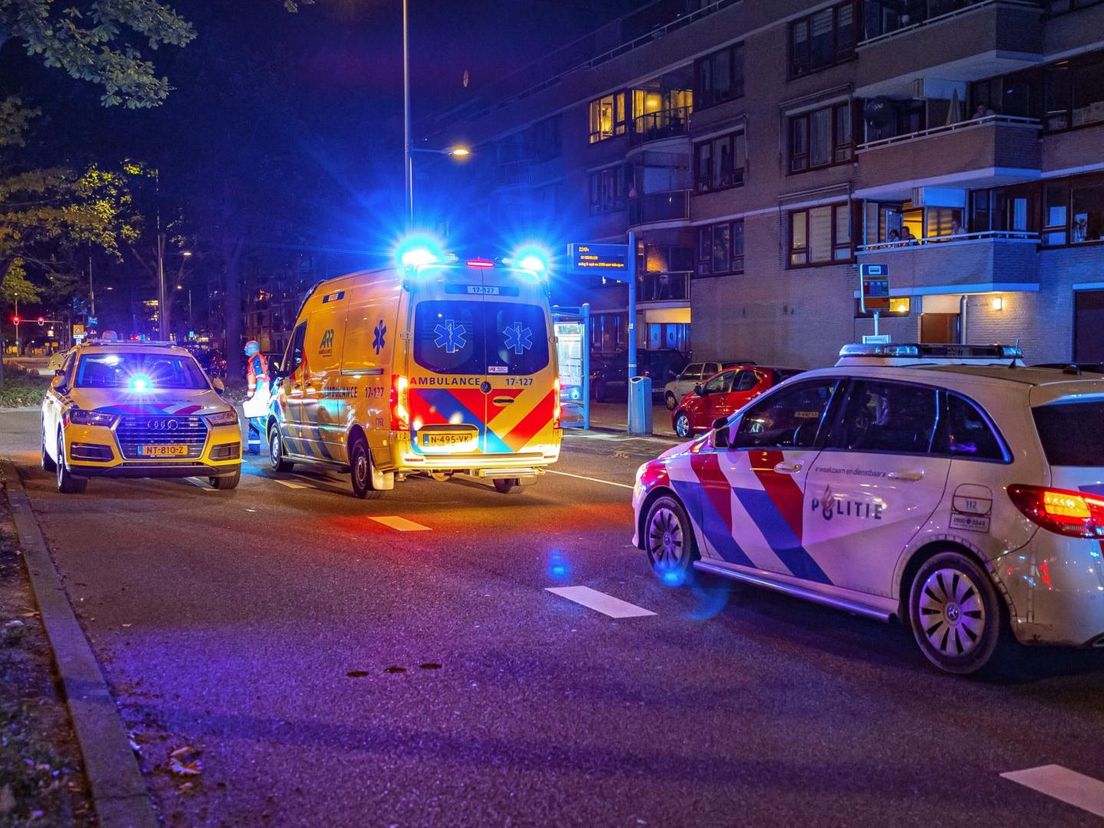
(762, 150)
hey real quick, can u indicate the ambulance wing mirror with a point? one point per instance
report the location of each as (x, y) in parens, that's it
(219, 386)
(720, 433)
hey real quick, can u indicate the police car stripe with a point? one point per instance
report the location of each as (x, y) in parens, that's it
(714, 494)
(779, 535)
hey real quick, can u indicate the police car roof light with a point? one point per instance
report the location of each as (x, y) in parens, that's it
(480, 263)
(933, 351)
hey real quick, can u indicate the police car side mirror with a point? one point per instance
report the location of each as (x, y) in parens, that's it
(720, 433)
(219, 386)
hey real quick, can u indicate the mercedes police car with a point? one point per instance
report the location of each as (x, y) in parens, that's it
(963, 496)
(137, 409)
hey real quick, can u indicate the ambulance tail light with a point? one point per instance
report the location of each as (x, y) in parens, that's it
(1063, 512)
(400, 403)
(556, 403)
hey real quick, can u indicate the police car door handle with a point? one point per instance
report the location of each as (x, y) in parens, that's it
(787, 468)
(906, 476)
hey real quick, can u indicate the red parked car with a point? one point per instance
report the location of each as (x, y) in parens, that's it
(722, 394)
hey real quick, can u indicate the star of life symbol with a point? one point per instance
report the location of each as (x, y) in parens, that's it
(380, 337)
(518, 339)
(451, 335)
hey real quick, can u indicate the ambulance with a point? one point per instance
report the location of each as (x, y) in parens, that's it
(435, 366)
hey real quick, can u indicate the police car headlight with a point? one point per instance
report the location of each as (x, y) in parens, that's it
(222, 418)
(93, 418)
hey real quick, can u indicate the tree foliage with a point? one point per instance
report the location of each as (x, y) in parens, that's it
(105, 42)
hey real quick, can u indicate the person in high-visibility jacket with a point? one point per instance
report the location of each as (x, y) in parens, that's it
(258, 397)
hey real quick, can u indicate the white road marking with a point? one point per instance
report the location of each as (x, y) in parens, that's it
(591, 479)
(1068, 786)
(599, 601)
(400, 524)
(291, 485)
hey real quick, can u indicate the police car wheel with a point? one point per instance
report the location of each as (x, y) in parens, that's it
(226, 482)
(276, 452)
(670, 401)
(360, 468)
(669, 539)
(955, 613)
(505, 485)
(66, 482)
(682, 425)
(48, 464)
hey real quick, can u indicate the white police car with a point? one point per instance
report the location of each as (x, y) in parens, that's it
(966, 500)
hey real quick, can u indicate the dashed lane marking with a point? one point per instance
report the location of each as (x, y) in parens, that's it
(400, 524)
(600, 602)
(1070, 787)
(291, 485)
(591, 479)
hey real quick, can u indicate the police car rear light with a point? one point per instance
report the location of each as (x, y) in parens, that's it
(400, 403)
(1064, 512)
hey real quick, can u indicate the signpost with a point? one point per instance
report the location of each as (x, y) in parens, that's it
(874, 295)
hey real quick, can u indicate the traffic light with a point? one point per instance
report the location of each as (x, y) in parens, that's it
(16, 320)
(41, 321)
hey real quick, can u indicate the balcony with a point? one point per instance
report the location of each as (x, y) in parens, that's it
(962, 40)
(657, 126)
(983, 152)
(964, 263)
(660, 208)
(663, 287)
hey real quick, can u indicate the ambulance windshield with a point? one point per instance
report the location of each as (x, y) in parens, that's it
(480, 337)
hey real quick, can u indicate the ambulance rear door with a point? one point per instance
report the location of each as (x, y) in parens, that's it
(521, 399)
(448, 363)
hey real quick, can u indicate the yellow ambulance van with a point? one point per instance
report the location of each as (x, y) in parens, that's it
(436, 366)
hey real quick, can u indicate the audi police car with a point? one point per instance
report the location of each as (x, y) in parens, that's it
(137, 409)
(963, 496)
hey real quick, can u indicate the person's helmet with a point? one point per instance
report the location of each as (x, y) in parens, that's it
(252, 347)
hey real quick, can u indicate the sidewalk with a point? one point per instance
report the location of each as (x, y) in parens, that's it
(614, 417)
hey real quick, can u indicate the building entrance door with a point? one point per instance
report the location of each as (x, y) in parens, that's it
(940, 328)
(1088, 322)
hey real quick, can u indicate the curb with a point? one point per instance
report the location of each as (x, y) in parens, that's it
(119, 793)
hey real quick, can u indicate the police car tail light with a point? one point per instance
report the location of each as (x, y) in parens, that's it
(78, 416)
(1064, 512)
(556, 403)
(400, 403)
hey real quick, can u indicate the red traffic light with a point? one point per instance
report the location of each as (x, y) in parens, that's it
(41, 321)
(16, 320)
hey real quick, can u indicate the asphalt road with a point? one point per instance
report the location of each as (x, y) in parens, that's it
(334, 670)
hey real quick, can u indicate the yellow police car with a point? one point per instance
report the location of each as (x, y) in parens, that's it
(137, 409)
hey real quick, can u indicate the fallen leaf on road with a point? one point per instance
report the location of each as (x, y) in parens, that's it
(357, 673)
(184, 761)
(128, 625)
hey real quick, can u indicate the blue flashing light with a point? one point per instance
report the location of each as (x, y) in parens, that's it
(139, 383)
(419, 250)
(532, 257)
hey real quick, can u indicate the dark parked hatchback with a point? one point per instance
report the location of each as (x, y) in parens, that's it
(609, 375)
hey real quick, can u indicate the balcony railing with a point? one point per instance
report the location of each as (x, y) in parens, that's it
(923, 12)
(957, 126)
(655, 126)
(958, 238)
(664, 287)
(655, 207)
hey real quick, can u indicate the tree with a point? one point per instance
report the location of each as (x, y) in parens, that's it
(99, 41)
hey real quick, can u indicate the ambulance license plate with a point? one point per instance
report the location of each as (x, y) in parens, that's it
(447, 438)
(163, 451)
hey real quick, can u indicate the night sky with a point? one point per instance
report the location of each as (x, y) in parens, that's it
(312, 99)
